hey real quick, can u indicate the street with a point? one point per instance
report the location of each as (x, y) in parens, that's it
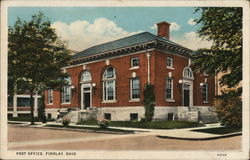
(20, 138)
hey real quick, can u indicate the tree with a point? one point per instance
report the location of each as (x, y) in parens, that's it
(35, 57)
(222, 26)
(149, 102)
(229, 110)
(41, 110)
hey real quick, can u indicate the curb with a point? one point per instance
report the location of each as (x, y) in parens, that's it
(201, 139)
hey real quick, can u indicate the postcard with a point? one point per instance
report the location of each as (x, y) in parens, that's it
(124, 79)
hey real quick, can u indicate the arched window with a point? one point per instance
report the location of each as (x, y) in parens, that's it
(109, 84)
(187, 72)
(86, 76)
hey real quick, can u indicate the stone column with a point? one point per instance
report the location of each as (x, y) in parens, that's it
(35, 105)
(15, 105)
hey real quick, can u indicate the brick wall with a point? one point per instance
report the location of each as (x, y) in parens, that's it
(179, 63)
(123, 75)
(162, 72)
(159, 72)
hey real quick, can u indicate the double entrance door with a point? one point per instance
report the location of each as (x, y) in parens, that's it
(86, 96)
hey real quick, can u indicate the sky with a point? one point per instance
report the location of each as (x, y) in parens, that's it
(83, 27)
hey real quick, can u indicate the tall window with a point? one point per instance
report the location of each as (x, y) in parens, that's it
(66, 92)
(205, 92)
(169, 62)
(50, 96)
(109, 84)
(134, 62)
(169, 88)
(135, 88)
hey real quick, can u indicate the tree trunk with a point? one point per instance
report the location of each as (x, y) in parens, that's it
(32, 122)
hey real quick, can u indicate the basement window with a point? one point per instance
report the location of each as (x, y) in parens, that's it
(170, 116)
(133, 116)
(107, 116)
(49, 116)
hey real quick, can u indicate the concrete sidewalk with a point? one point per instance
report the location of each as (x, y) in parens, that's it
(185, 134)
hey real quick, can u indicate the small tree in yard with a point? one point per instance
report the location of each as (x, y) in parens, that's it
(35, 57)
(149, 102)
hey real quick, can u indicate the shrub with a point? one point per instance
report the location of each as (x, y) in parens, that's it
(149, 102)
(229, 110)
(65, 122)
(103, 123)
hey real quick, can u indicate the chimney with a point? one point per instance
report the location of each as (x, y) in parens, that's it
(163, 30)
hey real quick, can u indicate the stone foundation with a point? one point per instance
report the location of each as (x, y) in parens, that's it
(181, 113)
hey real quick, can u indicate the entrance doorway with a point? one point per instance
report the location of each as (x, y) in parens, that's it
(86, 97)
(186, 95)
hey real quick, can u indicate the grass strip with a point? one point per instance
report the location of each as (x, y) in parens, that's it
(220, 130)
(92, 128)
(15, 123)
(148, 125)
(28, 119)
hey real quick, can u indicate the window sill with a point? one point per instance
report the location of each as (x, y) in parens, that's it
(205, 102)
(170, 100)
(65, 103)
(134, 100)
(132, 68)
(170, 68)
(111, 101)
(50, 104)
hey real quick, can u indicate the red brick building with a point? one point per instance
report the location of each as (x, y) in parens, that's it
(110, 78)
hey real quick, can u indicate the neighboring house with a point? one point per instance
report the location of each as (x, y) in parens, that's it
(219, 88)
(110, 78)
(19, 105)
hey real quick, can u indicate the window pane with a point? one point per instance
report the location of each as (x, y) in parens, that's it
(109, 90)
(50, 96)
(188, 73)
(109, 84)
(135, 87)
(135, 62)
(205, 92)
(109, 73)
(23, 102)
(86, 76)
(66, 94)
(169, 88)
(169, 62)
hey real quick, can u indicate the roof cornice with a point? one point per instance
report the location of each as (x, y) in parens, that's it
(155, 44)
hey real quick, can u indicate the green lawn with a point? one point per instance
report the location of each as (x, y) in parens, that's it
(92, 128)
(148, 125)
(220, 130)
(15, 123)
